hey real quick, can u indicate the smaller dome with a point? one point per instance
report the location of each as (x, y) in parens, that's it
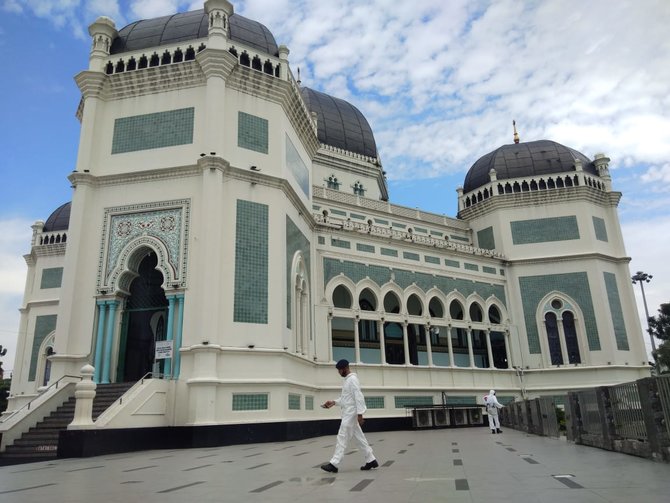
(525, 160)
(59, 220)
(340, 124)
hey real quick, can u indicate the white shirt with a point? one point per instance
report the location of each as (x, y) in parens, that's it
(351, 401)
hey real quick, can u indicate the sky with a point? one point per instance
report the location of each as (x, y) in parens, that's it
(440, 82)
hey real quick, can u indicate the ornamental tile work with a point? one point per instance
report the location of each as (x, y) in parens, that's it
(295, 241)
(410, 255)
(456, 237)
(575, 285)
(402, 401)
(293, 401)
(544, 230)
(340, 243)
(470, 267)
(250, 303)
(489, 270)
(600, 229)
(389, 252)
(164, 224)
(296, 166)
(44, 325)
(381, 275)
(617, 313)
(431, 260)
(374, 402)
(309, 402)
(51, 277)
(485, 239)
(365, 248)
(157, 130)
(461, 400)
(250, 401)
(452, 263)
(252, 133)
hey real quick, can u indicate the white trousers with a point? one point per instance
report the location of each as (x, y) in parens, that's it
(494, 422)
(349, 427)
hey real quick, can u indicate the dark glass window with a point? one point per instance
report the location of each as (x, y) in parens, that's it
(571, 343)
(553, 339)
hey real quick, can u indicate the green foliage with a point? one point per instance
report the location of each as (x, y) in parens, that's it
(4, 391)
(659, 325)
(560, 418)
(662, 356)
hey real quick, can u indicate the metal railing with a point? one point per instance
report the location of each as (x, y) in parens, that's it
(42, 393)
(627, 411)
(588, 401)
(664, 395)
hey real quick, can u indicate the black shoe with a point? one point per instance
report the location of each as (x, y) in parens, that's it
(329, 467)
(369, 466)
(493, 432)
(499, 430)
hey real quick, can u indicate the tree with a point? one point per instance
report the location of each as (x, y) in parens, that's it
(662, 356)
(659, 326)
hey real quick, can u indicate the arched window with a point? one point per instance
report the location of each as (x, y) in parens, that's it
(367, 301)
(391, 303)
(571, 342)
(414, 305)
(476, 312)
(456, 310)
(553, 339)
(494, 315)
(562, 331)
(435, 308)
(342, 297)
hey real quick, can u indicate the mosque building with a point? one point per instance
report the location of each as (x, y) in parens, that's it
(230, 236)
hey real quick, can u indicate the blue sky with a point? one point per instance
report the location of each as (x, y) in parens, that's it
(440, 83)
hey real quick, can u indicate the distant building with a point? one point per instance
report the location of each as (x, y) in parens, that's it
(220, 205)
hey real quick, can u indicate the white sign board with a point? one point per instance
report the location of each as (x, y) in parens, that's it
(163, 350)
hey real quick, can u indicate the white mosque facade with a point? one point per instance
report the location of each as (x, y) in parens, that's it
(223, 210)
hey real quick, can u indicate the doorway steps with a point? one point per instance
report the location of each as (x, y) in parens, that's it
(40, 443)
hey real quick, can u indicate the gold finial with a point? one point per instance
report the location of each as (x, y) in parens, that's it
(299, 82)
(516, 135)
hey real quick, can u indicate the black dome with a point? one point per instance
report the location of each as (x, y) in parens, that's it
(517, 160)
(59, 220)
(340, 124)
(190, 26)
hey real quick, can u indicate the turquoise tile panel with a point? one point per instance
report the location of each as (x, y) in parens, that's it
(600, 229)
(322, 240)
(51, 277)
(402, 401)
(251, 263)
(295, 165)
(389, 252)
(489, 270)
(470, 267)
(505, 400)
(485, 239)
(365, 248)
(309, 402)
(157, 130)
(544, 230)
(616, 312)
(338, 212)
(252, 133)
(462, 400)
(456, 237)
(250, 401)
(374, 402)
(410, 256)
(436, 233)
(381, 221)
(357, 216)
(44, 325)
(575, 285)
(381, 275)
(293, 401)
(421, 230)
(452, 263)
(315, 207)
(431, 260)
(295, 241)
(340, 243)
(502, 272)
(399, 226)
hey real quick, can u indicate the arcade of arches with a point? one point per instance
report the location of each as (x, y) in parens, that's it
(397, 333)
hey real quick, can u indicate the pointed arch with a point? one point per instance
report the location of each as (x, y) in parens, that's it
(45, 350)
(300, 302)
(569, 335)
(125, 270)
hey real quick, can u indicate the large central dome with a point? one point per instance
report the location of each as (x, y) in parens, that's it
(525, 160)
(190, 26)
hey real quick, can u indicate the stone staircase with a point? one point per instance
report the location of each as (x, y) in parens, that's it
(40, 443)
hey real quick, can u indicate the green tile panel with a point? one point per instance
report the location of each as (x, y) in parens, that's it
(456, 237)
(44, 325)
(485, 239)
(505, 400)
(252, 132)
(381, 275)
(374, 402)
(600, 229)
(156, 130)
(339, 212)
(544, 230)
(357, 216)
(410, 256)
(436, 233)
(461, 400)
(293, 401)
(470, 267)
(421, 230)
(402, 401)
(617, 313)
(322, 240)
(309, 402)
(502, 272)
(295, 241)
(340, 243)
(489, 270)
(389, 252)
(399, 226)
(251, 263)
(250, 401)
(431, 260)
(575, 285)
(51, 277)
(381, 221)
(452, 263)
(296, 165)
(365, 248)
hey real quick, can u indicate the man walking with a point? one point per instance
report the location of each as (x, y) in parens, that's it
(352, 404)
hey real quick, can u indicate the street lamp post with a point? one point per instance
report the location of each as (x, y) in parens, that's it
(642, 278)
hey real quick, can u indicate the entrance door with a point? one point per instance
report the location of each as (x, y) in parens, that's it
(144, 321)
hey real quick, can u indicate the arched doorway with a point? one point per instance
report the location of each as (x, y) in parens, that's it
(144, 321)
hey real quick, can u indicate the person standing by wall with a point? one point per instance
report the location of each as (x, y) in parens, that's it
(492, 406)
(352, 405)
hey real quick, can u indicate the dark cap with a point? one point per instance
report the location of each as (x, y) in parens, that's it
(342, 364)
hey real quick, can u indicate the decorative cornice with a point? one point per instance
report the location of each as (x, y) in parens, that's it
(152, 175)
(568, 258)
(90, 83)
(216, 62)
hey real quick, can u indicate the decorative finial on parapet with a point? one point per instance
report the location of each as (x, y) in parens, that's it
(516, 135)
(103, 32)
(283, 58)
(218, 12)
(602, 162)
(299, 81)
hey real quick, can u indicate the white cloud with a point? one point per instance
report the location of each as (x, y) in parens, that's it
(12, 6)
(15, 242)
(147, 9)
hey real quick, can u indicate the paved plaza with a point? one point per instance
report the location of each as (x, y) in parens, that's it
(454, 465)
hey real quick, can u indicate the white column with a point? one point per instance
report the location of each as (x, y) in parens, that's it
(488, 348)
(382, 342)
(357, 343)
(405, 341)
(470, 352)
(561, 338)
(330, 336)
(450, 346)
(429, 346)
